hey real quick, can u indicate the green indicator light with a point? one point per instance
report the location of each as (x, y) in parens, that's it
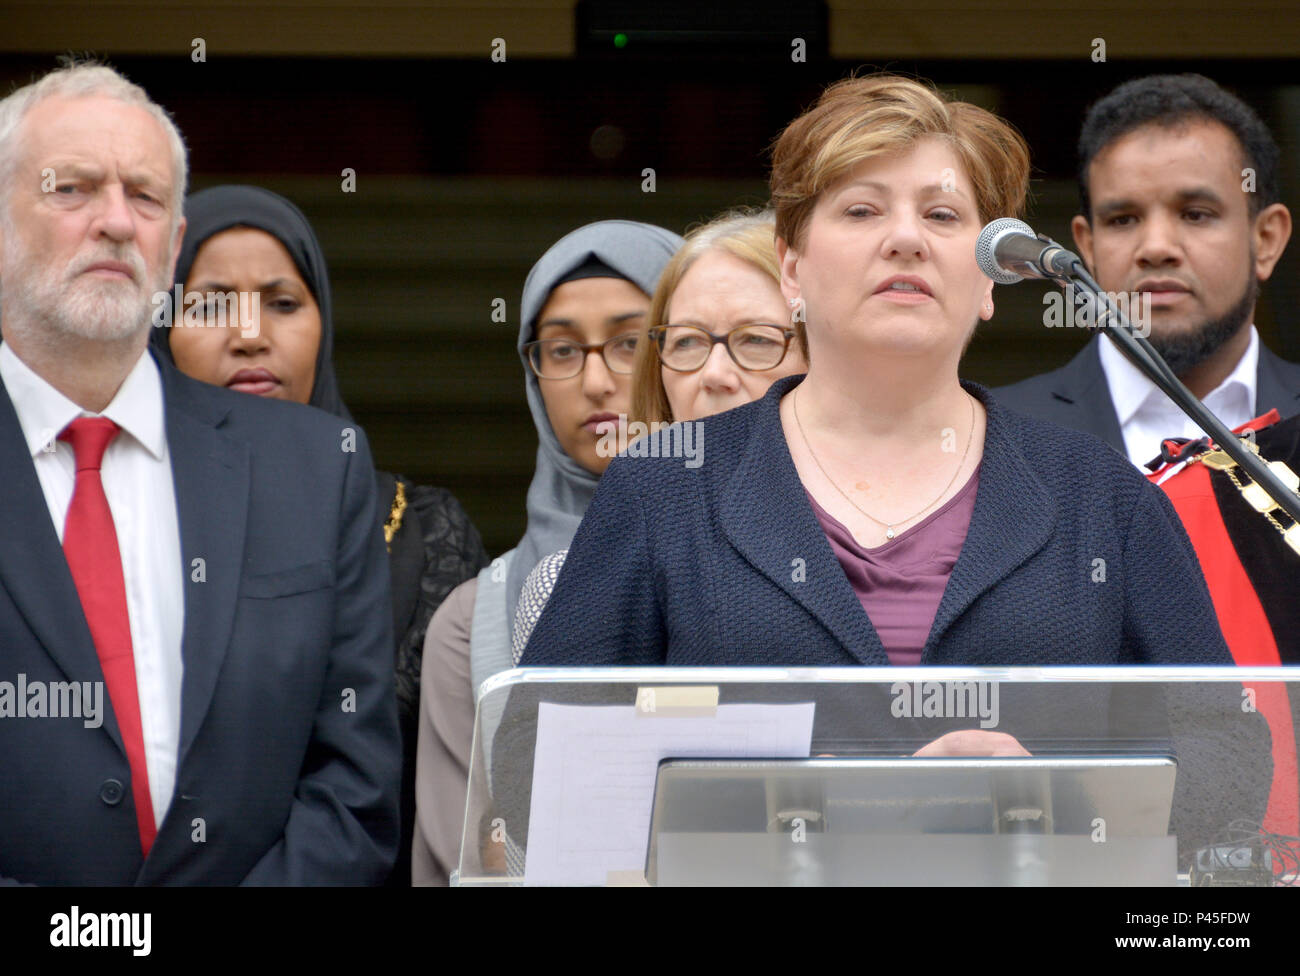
(620, 40)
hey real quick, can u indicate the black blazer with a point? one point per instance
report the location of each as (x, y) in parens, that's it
(288, 755)
(1077, 395)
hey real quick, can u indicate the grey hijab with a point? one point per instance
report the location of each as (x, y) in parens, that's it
(562, 488)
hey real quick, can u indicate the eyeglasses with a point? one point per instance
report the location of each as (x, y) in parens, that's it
(686, 348)
(561, 359)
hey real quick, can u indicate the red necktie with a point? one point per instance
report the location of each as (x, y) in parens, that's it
(90, 545)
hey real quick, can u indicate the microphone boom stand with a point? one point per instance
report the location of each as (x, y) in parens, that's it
(1086, 293)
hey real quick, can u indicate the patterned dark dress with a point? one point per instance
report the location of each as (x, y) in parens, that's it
(434, 549)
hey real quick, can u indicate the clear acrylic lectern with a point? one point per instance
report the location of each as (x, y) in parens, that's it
(902, 776)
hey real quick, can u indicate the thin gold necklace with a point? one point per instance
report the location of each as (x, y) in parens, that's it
(889, 527)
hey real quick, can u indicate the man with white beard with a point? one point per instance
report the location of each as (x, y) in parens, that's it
(214, 559)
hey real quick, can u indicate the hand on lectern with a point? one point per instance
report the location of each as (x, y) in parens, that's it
(973, 742)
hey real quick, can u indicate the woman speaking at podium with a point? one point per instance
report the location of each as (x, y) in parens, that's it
(879, 510)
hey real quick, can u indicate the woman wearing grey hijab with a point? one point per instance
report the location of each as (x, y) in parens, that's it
(583, 305)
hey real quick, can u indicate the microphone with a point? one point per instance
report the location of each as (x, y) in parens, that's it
(1008, 251)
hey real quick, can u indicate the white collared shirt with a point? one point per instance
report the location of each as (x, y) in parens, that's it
(1147, 416)
(137, 478)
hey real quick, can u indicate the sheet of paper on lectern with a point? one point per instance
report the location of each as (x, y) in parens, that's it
(594, 777)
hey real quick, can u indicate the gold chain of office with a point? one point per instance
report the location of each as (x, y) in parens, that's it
(1254, 494)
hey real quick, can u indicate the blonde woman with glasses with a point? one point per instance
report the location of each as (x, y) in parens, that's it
(719, 332)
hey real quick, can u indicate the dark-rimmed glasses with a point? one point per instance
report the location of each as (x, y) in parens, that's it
(686, 348)
(562, 359)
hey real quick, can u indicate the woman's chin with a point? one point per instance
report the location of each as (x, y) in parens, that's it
(898, 344)
(594, 459)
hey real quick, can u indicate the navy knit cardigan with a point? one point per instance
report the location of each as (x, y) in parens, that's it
(1072, 558)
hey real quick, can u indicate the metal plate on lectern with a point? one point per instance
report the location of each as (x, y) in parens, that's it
(904, 821)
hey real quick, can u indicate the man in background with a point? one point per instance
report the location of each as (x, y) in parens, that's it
(1179, 196)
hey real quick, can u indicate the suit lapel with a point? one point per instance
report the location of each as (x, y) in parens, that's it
(1082, 384)
(764, 512)
(210, 471)
(1012, 520)
(33, 569)
(1272, 389)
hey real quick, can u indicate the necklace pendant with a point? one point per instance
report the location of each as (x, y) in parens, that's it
(889, 531)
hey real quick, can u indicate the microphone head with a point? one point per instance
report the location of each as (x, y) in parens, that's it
(985, 248)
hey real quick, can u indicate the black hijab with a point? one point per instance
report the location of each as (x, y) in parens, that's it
(211, 211)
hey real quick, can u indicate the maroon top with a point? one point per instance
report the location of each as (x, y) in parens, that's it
(901, 583)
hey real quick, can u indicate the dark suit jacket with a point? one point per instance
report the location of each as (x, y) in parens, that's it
(1072, 558)
(281, 779)
(1077, 395)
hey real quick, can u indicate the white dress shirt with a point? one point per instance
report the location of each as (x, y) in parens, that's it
(137, 478)
(1147, 416)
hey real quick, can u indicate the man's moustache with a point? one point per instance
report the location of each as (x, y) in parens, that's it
(134, 262)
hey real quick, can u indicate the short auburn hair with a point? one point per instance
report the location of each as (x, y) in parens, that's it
(860, 118)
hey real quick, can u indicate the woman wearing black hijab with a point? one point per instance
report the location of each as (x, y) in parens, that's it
(246, 240)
